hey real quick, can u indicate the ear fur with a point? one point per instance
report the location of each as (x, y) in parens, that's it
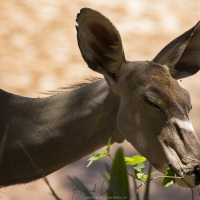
(182, 55)
(100, 43)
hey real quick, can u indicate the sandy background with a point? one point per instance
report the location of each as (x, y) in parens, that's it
(39, 52)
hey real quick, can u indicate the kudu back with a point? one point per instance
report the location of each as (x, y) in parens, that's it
(139, 101)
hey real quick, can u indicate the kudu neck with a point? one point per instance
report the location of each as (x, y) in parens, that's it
(56, 130)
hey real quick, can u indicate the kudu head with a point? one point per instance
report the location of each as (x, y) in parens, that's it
(153, 110)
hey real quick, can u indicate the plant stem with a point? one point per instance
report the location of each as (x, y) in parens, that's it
(192, 190)
(51, 189)
(151, 179)
(39, 171)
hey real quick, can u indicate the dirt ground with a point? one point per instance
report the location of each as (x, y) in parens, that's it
(39, 52)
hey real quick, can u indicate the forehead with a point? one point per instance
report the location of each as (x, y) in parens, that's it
(156, 81)
(145, 73)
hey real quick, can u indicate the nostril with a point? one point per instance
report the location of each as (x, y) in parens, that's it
(197, 175)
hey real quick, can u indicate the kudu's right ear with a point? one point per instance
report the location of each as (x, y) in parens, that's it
(100, 43)
(182, 55)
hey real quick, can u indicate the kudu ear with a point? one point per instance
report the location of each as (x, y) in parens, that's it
(182, 55)
(100, 43)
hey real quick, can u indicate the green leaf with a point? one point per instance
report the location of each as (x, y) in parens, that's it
(139, 167)
(140, 175)
(108, 146)
(134, 160)
(138, 171)
(118, 184)
(108, 176)
(145, 176)
(166, 182)
(96, 156)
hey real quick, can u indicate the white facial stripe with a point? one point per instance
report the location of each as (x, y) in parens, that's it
(184, 124)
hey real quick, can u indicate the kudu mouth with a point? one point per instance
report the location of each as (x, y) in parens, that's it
(182, 149)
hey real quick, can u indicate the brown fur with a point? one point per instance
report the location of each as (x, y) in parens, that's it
(137, 101)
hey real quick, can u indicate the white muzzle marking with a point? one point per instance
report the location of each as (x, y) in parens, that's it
(183, 124)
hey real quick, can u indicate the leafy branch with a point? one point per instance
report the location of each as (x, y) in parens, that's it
(99, 155)
(138, 163)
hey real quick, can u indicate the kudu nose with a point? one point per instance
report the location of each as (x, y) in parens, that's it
(197, 175)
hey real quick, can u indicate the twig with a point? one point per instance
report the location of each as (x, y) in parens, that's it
(109, 155)
(192, 190)
(198, 191)
(157, 177)
(136, 177)
(51, 189)
(151, 179)
(39, 171)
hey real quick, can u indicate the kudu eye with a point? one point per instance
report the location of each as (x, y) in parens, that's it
(151, 103)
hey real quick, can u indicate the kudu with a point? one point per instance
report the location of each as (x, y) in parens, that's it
(139, 101)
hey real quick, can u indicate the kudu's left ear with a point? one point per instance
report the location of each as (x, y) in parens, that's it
(100, 43)
(182, 55)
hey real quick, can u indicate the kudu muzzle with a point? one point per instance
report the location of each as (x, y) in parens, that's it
(182, 149)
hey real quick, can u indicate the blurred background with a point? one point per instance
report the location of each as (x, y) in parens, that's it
(39, 52)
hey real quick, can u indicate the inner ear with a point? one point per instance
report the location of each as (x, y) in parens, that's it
(103, 50)
(100, 43)
(181, 56)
